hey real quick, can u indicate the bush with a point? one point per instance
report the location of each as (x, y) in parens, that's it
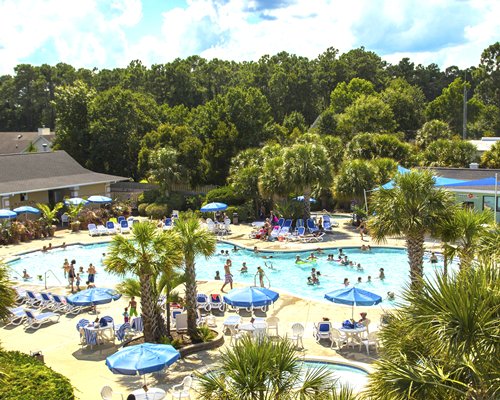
(224, 194)
(141, 208)
(29, 379)
(245, 211)
(157, 211)
(205, 333)
(176, 201)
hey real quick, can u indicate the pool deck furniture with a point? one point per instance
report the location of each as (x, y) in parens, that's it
(153, 393)
(35, 321)
(232, 320)
(353, 336)
(182, 390)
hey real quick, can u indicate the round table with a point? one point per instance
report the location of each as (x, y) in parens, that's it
(353, 335)
(152, 394)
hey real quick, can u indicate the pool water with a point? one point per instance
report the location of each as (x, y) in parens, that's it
(356, 378)
(280, 268)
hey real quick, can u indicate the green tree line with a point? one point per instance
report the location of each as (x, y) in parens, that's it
(206, 111)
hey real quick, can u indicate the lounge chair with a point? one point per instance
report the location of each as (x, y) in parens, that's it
(110, 226)
(120, 219)
(275, 232)
(216, 302)
(48, 302)
(124, 227)
(93, 230)
(20, 296)
(102, 230)
(16, 316)
(311, 226)
(33, 300)
(298, 235)
(328, 224)
(168, 224)
(36, 321)
(67, 307)
(323, 330)
(281, 221)
(299, 224)
(202, 302)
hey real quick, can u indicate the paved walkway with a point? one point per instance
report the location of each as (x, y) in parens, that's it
(86, 368)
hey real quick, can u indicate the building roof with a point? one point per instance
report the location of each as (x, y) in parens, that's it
(32, 172)
(468, 174)
(17, 142)
(485, 143)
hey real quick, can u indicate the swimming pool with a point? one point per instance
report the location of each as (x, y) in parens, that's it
(356, 378)
(281, 270)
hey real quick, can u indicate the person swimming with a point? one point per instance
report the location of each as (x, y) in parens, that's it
(346, 282)
(381, 274)
(235, 249)
(312, 257)
(244, 268)
(369, 279)
(26, 276)
(391, 296)
(359, 280)
(345, 261)
(359, 267)
(298, 260)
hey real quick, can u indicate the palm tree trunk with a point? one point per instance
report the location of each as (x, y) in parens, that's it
(168, 316)
(445, 263)
(148, 309)
(415, 246)
(307, 203)
(191, 299)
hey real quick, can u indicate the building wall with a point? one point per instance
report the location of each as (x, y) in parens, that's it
(33, 198)
(99, 189)
(477, 200)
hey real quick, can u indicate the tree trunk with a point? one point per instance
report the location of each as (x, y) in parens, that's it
(167, 304)
(445, 264)
(307, 204)
(148, 309)
(190, 299)
(415, 245)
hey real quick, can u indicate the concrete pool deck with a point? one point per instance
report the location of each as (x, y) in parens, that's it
(60, 346)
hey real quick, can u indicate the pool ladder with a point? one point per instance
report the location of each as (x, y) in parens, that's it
(55, 276)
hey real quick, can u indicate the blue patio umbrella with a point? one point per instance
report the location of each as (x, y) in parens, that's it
(93, 297)
(353, 296)
(4, 214)
(301, 198)
(75, 201)
(142, 359)
(100, 199)
(213, 207)
(251, 296)
(27, 210)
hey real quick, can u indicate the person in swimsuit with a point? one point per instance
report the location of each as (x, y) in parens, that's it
(132, 306)
(91, 272)
(244, 268)
(433, 258)
(261, 274)
(228, 276)
(72, 275)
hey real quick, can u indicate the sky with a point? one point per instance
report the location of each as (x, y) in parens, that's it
(111, 33)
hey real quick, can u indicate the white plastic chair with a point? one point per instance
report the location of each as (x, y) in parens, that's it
(337, 338)
(235, 335)
(181, 391)
(107, 393)
(272, 325)
(297, 334)
(371, 340)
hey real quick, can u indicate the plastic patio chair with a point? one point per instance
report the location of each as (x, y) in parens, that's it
(181, 391)
(272, 325)
(107, 393)
(297, 334)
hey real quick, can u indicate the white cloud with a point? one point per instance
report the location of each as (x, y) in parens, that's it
(88, 33)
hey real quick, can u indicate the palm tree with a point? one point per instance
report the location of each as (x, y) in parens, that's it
(462, 234)
(165, 170)
(194, 240)
(488, 248)
(263, 370)
(7, 294)
(144, 256)
(49, 216)
(306, 165)
(443, 342)
(73, 212)
(412, 208)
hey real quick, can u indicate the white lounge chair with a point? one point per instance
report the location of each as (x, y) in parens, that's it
(110, 227)
(33, 299)
(181, 391)
(323, 330)
(16, 316)
(36, 321)
(124, 227)
(102, 230)
(93, 230)
(168, 224)
(202, 302)
(216, 302)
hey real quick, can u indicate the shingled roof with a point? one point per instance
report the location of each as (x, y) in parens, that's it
(32, 172)
(17, 142)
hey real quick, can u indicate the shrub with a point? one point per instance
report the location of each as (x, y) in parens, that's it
(205, 333)
(194, 202)
(224, 194)
(141, 208)
(157, 211)
(149, 196)
(176, 201)
(29, 379)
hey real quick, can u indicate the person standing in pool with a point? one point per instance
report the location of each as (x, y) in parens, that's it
(66, 268)
(228, 276)
(433, 258)
(91, 272)
(261, 274)
(244, 268)
(381, 274)
(72, 275)
(346, 282)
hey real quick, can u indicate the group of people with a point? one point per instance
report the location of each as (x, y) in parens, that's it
(228, 276)
(74, 278)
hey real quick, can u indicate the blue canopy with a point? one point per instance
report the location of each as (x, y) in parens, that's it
(4, 214)
(100, 199)
(27, 209)
(403, 170)
(251, 297)
(301, 198)
(210, 207)
(353, 296)
(142, 359)
(75, 201)
(478, 182)
(93, 297)
(438, 181)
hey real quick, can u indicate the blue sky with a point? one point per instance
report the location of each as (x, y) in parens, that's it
(111, 33)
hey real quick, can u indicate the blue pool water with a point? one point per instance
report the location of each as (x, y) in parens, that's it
(281, 270)
(356, 378)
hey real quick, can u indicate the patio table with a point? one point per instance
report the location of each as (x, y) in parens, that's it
(353, 334)
(232, 320)
(152, 394)
(101, 332)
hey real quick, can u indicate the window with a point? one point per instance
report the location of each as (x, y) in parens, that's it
(24, 196)
(489, 201)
